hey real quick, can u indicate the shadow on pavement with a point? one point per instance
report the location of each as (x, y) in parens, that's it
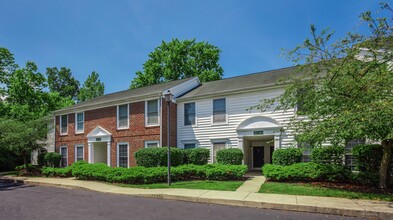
(6, 185)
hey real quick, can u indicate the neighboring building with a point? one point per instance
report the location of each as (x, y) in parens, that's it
(215, 115)
(111, 128)
(49, 144)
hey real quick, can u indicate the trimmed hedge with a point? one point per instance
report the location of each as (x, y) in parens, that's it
(230, 156)
(306, 172)
(154, 157)
(287, 156)
(61, 172)
(331, 155)
(140, 175)
(197, 156)
(52, 159)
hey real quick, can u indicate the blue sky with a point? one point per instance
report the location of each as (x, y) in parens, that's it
(114, 38)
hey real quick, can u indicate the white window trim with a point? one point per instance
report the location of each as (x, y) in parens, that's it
(196, 115)
(61, 147)
(76, 123)
(128, 117)
(61, 132)
(226, 112)
(212, 147)
(128, 153)
(152, 142)
(83, 152)
(158, 112)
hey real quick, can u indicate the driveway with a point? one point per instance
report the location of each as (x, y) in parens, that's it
(39, 202)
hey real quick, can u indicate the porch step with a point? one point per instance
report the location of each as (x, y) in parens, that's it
(253, 184)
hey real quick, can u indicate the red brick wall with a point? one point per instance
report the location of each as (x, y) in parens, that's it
(135, 135)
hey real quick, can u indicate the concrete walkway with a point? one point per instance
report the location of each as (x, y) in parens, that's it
(325, 205)
(253, 183)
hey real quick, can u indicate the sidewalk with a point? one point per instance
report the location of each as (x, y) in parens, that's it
(324, 205)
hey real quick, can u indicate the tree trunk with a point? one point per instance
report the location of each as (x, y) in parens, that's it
(26, 163)
(383, 170)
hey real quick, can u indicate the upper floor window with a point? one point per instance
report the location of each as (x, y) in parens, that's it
(63, 124)
(79, 124)
(151, 144)
(122, 116)
(152, 112)
(219, 111)
(189, 113)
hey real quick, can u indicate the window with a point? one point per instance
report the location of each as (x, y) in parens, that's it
(349, 160)
(122, 155)
(151, 144)
(64, 159)
(79, 122)
(63, 124)
(216, 147)
(122, 116)
(219, 111)
(189, 146)
(189, 113)
(79, 152)
(152, 112)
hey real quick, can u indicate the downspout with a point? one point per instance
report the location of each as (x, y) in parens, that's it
(160, 95)
(54, 129)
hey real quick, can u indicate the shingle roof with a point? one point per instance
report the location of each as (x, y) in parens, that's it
(239, 83)
(129, 93)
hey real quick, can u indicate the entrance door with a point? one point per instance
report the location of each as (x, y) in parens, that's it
(258, 157)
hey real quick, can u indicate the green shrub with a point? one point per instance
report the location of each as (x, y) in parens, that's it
(52, 159)
(368, 157)
(41, 158)
(139, 175)
(61, 172)
(230, 156)
(154, 157)
(306, 172)
(287, 156)
(197, 156)
(332, 155)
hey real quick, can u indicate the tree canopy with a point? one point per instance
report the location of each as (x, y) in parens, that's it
(62, 81)
(343, 89)
(179, 59)
(91, 88)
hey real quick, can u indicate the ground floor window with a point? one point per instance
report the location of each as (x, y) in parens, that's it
(189, 146)
(349, 160)
(79, 153)
(64, 156)
(122, 155)
(216, 147)
(151, 144)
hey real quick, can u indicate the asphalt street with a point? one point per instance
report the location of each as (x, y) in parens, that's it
(40, 202)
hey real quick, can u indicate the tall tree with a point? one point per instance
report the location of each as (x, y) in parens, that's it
(91, 88)
(178, 60)
(62, 81)
(7, 66)
(344, 88)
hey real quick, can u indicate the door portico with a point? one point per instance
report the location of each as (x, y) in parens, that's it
(97, 139)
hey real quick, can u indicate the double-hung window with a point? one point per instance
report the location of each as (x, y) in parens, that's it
(189, 113)
(79, 122)
(122, 155)
(63, 124)
(152, 112)
(219, 111)
(122, 116)
(216, 147)
(79, 152)
(189, 146)
(151, 144)
(64, 156)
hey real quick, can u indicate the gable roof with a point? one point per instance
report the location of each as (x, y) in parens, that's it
(239, 83)
(137, 94)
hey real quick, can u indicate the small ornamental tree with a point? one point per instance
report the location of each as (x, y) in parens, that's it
(345, 88)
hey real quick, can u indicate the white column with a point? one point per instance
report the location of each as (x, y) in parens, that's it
(90, 151)
(241, 147)
(277, 140)
(108, 148)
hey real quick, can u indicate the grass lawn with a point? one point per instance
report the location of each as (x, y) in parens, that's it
(310, 190)
(209, 185)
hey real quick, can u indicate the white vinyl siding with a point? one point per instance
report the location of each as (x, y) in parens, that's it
(79, 122)
(237, 105)
(189, 113)
(122, 116)
(151, 144)
(64, 124)
(64, 156)
(122, 155)
(219, 111)
(79, 152)
(152, 116)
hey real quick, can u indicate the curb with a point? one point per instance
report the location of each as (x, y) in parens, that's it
(239, 203)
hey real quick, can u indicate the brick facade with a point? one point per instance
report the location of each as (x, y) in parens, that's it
(135, 135)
